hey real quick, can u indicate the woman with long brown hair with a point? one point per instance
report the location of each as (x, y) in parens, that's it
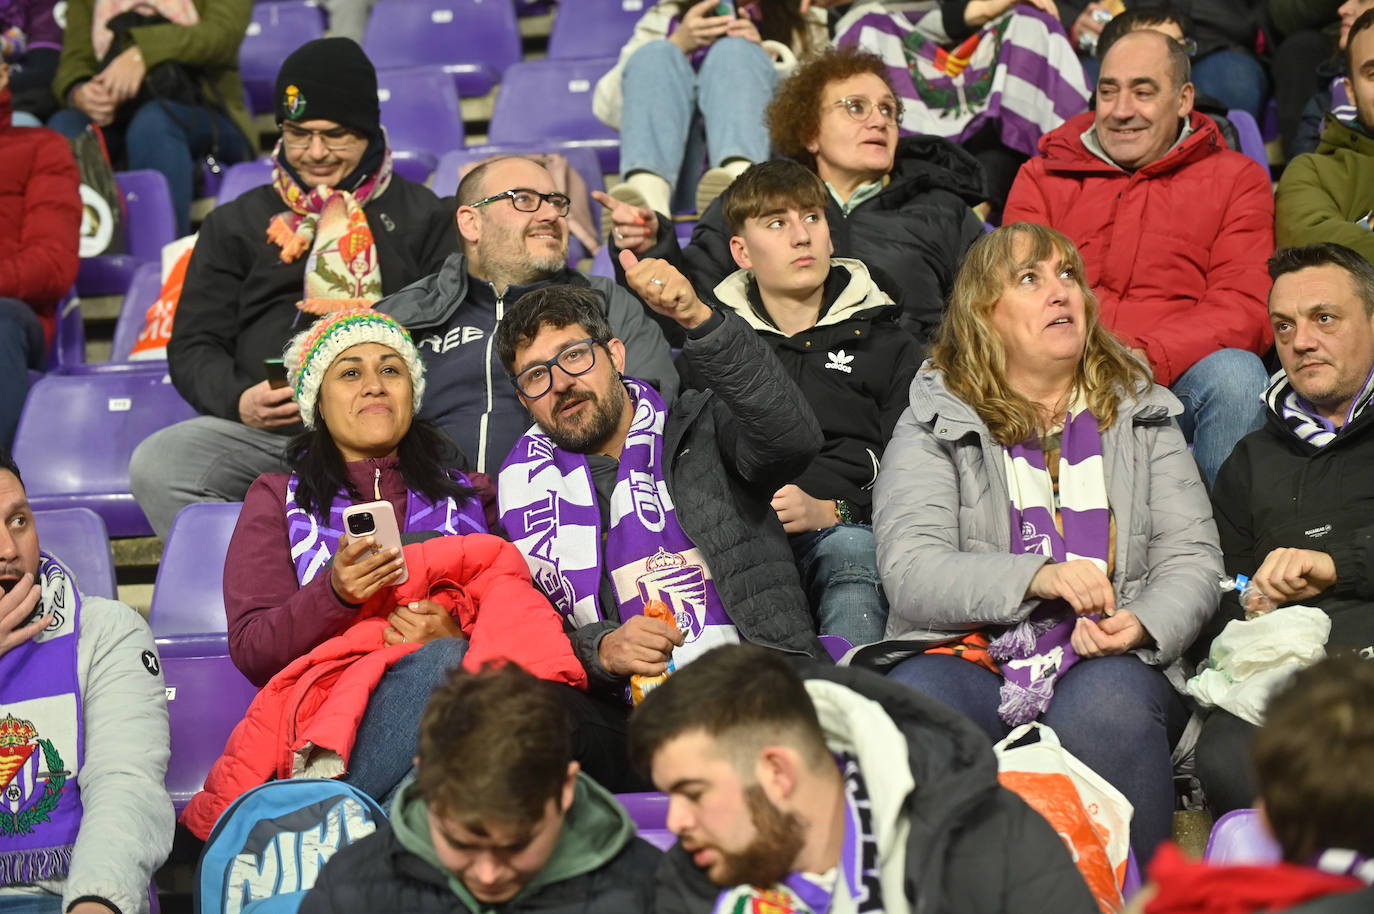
(1038, 514)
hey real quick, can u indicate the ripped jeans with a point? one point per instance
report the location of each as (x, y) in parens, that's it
(839, 572)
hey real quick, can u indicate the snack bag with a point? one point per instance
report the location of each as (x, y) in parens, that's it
(643, 685)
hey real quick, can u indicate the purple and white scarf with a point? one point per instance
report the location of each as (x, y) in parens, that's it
(41, 733)
(1037, 651)
(860, 868)
(548, 508)
(1024, 75)
(1302, 417)
(313, 539)
(1340, 861)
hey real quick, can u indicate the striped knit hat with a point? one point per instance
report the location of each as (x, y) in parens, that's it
(311, 352)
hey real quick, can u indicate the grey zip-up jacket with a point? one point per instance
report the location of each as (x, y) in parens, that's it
(942, 521)
(453, 320)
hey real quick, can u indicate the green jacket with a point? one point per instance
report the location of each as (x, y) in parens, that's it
(598, 865)
(211, 46)
(1323, 194)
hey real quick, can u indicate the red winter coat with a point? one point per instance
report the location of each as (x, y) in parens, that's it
(305, 719)
(40, 216)
(1175, 251)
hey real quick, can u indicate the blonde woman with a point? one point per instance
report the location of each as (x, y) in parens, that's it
(1043, 535)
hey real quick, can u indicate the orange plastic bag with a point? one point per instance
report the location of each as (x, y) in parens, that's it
(1090, 815)
(157, 325)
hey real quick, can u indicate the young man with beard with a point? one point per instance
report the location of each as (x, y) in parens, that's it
(514, 229)
(790, 790)
(648, 525)
(85, 818)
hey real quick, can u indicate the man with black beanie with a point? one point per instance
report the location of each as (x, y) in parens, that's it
(335, 224)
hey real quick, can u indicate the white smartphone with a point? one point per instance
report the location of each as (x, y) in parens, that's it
(378, 520)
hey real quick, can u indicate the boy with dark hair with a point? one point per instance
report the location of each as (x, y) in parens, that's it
(837, 335)
(499, 814)
(1312, 758)
(836, 791)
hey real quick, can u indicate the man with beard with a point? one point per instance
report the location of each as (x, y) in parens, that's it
(84, 813)
(514, 229)
(789, 792)
(649, 526)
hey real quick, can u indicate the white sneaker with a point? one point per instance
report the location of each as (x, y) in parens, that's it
(712, 185)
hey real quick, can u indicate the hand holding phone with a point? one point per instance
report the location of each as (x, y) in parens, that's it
(370, 555)
(276, 372)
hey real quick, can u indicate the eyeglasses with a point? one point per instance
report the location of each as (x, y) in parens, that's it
(335, 138)
(860, 106)
(574, 359)
(529, 201)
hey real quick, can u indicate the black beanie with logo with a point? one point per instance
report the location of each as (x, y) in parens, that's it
(329, 79)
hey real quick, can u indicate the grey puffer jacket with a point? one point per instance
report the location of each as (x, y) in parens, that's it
(729, 447)
(942, 520)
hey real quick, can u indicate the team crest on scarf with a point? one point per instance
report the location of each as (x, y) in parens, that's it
(31, 777)
(669, 579)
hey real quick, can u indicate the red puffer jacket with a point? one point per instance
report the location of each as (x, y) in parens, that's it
(40, 216)
(1176, 251)
(304, 721)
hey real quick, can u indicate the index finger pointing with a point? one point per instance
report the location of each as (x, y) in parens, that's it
(605, 199)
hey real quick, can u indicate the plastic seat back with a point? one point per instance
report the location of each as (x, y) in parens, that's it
(1251, 142)
(549, 103)
(78, 537)
(473, 40)
(592, 28)
(420, 110)
(143, 292)
(188, 596)
(275, 30)
(150, 224)
(243, 176)
(1239, 837)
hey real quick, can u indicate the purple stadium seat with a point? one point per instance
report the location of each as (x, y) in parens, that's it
(206, 698)
(649, 809)
(76, 435)
(69, 343)
(1251, 143)
(275, 31)
(473, 40)
(244, 176)
(549, 102)
(421, 113)
(593, 28)
(206, 694)
(1239, 837)
(78, 537)
(836, 645)
(581, 160)
(149, 224)
(188, 597)
(143, 291)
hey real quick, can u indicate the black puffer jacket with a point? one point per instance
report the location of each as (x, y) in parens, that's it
(972, 845)
(1277, 490)
(733, 445)
(238, 305)
(912, 234)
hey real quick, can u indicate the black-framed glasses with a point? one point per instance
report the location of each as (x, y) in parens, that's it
(335, 138)
(860, 107)
(529, 201)
(574, 359)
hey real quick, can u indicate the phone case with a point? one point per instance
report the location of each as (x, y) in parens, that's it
(384, 531)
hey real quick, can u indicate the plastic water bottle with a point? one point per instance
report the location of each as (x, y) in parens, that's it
(1252, 599)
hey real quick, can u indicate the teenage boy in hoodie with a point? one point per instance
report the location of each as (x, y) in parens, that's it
(788, 792)
(837, 335)
(499, 816)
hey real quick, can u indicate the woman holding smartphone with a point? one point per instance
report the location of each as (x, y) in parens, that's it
(295, 578)
(697, 71)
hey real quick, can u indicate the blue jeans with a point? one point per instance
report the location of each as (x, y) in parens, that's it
(389, 733)
(1233, 78)
(662, 95)
(31, 904)
(22, 347)
(839, 571)
(1222, 403)
(1117, 715)
(168, 137)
